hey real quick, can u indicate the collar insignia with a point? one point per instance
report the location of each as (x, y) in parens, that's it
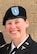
(7, 48)
(23, 47)
(26, 43)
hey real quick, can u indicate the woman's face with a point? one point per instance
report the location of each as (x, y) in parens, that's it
(16, 28)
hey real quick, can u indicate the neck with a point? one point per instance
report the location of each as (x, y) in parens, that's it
(19, 40)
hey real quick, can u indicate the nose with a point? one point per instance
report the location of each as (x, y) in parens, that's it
(13, 26)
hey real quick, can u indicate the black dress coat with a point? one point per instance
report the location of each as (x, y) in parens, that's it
(28, 47)
(2, 41)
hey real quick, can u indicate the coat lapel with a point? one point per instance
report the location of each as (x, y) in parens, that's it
(8, 48)
(24, 48)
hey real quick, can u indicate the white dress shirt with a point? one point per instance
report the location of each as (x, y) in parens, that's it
(13, 46)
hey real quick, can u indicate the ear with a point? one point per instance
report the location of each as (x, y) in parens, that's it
(27, 23)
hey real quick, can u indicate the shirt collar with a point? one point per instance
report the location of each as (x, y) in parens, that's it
(13, 46)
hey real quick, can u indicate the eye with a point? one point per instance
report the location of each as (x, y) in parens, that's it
(16, 22)
(9, 23)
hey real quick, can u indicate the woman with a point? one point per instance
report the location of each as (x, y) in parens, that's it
(16, 23)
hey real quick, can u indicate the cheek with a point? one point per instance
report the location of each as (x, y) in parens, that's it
(20, 26)
(7, 28)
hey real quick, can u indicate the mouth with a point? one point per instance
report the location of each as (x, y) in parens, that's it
(14, 32)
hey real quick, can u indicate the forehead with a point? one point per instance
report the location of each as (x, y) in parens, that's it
(15, 19)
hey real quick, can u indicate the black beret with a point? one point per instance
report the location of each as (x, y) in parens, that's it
(15, 12)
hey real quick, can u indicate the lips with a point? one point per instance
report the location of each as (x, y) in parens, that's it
(14, 32)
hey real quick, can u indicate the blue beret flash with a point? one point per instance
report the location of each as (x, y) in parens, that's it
(15, 11)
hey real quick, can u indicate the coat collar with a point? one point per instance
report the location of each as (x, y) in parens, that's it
(23, 48)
